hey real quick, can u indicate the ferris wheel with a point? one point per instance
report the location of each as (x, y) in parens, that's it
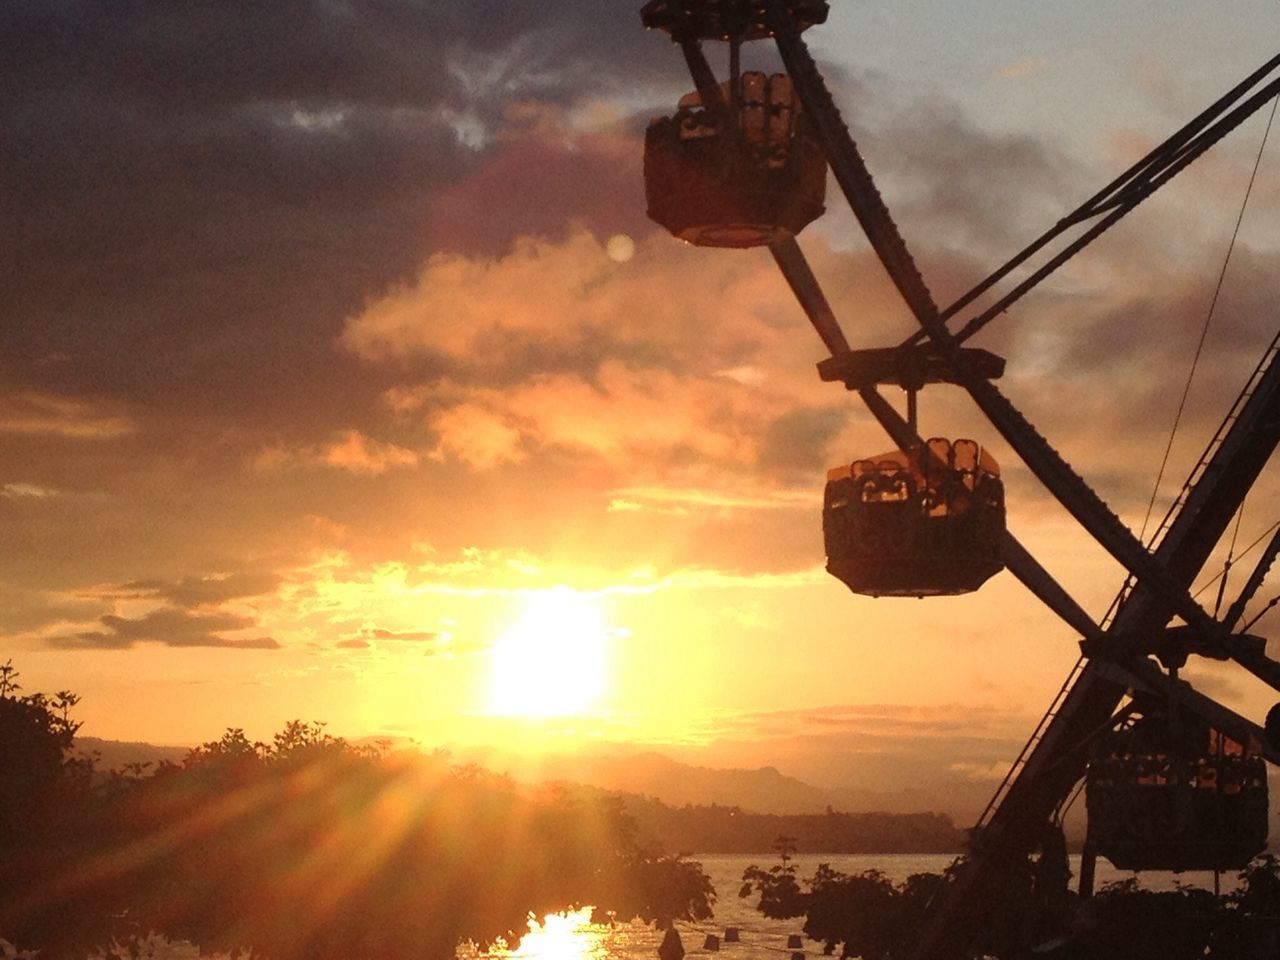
(1173, 779)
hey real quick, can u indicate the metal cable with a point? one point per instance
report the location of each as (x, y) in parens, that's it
(1247, 550)
(1208, 320)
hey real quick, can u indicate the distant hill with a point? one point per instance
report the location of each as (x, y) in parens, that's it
(719, 829)
(116, 754)
(657, 788)
(918, 818)
(763, 790)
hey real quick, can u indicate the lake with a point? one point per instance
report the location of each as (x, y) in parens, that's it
(574, 937)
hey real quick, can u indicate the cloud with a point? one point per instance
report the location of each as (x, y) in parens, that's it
(170, 627)
(796, 442)
(624, 416)
(531, 182)
(1026, 67)
(214, 589)
(202, 197)
(937, 166)
(473, 311)
(315, 275)
(722, 498)
(359, 454)
(363, 639)
(994, 772)
(554, 306)
(26, 611)
(863, 719)
(557, 347)
(32, 412)
(409, 636)
(350, 452)
(478, 436)
(26, 491)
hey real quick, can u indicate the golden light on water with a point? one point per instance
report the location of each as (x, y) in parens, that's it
(551, 661)
(561, 936)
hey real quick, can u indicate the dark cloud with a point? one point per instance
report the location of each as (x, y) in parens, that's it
(366, 637)
(23, 610)
(795, 444)
(874, 722)
(199, 194)
(392, 52)
(532, 185)
(409, 636)
(951, 182)
(194, 592)
(168, 626)
(1111, 332)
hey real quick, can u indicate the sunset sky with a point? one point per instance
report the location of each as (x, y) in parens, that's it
(342, 376)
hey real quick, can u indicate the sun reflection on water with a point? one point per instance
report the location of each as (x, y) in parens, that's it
(572, 936)
(562, 936)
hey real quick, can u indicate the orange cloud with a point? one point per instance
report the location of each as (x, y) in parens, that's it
(359, 454)
(549, 302)
(622, 416)
(725, 497)
(26, 491)
(476, 435)
(352, 451)
(37, 413)
(992, 772)
(652, 365)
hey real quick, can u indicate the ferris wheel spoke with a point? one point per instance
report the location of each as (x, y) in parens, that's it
(848, 166)
(1046, 463)
(1069, 487)
(799, 276)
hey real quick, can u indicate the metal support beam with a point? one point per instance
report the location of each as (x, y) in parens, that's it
(1056, 762)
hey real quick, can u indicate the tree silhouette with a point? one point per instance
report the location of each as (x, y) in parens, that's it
(306, 848)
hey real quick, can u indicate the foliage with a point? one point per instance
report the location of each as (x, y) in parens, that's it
(40, 786)
(306, 847)
(1125, 922)
(864, 914)
(780, 895)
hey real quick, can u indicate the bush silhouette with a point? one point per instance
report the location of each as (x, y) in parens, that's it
(308, 847)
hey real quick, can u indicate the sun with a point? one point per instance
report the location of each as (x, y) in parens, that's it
(551, 661)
